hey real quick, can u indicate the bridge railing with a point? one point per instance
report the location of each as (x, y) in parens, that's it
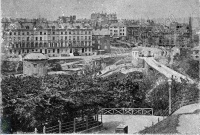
(126, 111)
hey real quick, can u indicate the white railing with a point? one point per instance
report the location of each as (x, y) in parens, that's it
(126, 111)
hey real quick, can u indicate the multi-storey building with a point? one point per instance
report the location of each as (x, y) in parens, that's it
(118, 30)
(99, 19)
(66, 19)
(50, 38)
(139, 33)
(176, 34)
(101, 41)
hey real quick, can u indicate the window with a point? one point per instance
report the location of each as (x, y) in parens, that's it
(27, 38)
(40, 44)
(35, 65)
(14, 33)
(70, 32)
(40, 38)
(65, 37)
(45, 44)
(40, 33)
(53, 33)
(36, 38)
(61, 33)
(18, 33)
(27, 33)
(45, 33)
(10, 33)
(22, 33)
(53, 38)
(65, 33)
(53, 50)
(36, 44)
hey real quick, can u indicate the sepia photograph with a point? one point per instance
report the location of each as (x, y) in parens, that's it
(100, 67)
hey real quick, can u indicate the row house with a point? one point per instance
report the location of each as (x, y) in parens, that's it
(49, 38)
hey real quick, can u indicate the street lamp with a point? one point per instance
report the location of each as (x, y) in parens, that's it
(170, 100)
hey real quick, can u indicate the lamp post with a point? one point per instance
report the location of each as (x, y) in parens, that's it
(170, 99)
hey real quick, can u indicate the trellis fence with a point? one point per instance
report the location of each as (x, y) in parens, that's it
(126, 111)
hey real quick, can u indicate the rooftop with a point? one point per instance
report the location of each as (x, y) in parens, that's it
(117, 25)
(100, 32)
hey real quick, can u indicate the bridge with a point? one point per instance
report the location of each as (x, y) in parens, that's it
(168, 72)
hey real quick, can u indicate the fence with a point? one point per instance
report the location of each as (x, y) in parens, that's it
(77, 125)
(126, 111)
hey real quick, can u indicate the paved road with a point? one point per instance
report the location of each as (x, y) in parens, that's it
(135, 123)
(165, 70)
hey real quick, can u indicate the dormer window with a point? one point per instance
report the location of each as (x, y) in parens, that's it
(27, 27)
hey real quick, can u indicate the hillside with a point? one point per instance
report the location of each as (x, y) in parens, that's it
(184, 120)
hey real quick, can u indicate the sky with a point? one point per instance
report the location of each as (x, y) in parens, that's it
(125, 9)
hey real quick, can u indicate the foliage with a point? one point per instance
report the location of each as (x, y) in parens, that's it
(30, 102)
(56, 67)
(193, 70)
(186, 65)
(11, 67)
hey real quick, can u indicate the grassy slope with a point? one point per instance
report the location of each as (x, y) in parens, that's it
(168, 125)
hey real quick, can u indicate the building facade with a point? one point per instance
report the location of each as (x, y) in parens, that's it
(49, 38)
(118, 30)
(101, 41)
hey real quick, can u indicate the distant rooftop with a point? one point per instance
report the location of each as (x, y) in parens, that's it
(100, 32)
(117, 25)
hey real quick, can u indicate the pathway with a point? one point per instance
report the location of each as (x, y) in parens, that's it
(135, 123)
